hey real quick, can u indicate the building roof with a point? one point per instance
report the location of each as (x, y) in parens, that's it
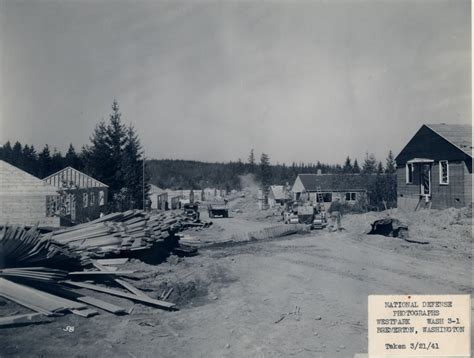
(335, 182)
(278, 192)
(13, 180)
(74, 176)
(458, 134)
(156, 190)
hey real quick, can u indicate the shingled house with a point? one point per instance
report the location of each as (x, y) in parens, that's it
(435, 168)
(350, 188)
(82, 198)
(25, 199)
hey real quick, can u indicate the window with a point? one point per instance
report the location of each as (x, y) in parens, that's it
(350, 196)
(85, 200)
(92, 199)
(409, 173)
(443, 172)
(101, 198)
(327, 197)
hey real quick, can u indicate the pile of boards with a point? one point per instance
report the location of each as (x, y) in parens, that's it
(20, 247)
(50, 291)
(122, 233)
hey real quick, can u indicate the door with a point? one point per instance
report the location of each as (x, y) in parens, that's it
(425, 179)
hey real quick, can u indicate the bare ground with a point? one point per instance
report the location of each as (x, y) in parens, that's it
(301, 296)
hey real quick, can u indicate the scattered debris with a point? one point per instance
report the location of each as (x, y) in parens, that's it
(389, 227)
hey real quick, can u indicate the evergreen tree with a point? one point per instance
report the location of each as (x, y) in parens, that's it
(57, 161)
(380, 168)
(132, 172)
(391, 166)
(251, 161)
(71, 159)
(355, 167)
(30, 160)
(7, 152)
(347, 168)
(17, 155)
(265, 173)
(115, 158)
(370, 164)
(103, 158)
(44, 162)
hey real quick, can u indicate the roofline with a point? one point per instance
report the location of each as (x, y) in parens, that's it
(69, 167)
(447, 140)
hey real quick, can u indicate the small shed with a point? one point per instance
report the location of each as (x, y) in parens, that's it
(82, 198)
(25, 199)
(434, 169)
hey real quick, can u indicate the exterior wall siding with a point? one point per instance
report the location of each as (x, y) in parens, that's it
(468, 183)
(442, 196)
(25, 209)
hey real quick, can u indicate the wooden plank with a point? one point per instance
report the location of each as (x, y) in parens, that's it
(100, 273)
(106, 262)
(87, 312)
(131, 288)
(151, 301)
(123, 283)
(106, 306)
(23, 319)
(35, 299)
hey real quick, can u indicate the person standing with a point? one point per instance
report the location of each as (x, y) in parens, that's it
(335, 210)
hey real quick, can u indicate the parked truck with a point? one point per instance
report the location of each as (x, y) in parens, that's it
(218, 210)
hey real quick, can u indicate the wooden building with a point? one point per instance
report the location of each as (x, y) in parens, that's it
(434, 170)
(278, 195)
(350, 188)
(82, 198)
(25, 199)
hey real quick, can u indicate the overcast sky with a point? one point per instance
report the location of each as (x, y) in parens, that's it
(301, 81)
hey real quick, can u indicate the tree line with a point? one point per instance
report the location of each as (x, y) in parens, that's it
(114, 157)
(187, 174)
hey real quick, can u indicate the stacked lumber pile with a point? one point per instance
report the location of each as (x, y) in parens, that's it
(122, 233)
(20, 247)
(50, 291)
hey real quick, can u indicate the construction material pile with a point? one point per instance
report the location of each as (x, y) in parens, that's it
(28, 278)
(20, 247)
(122, 233)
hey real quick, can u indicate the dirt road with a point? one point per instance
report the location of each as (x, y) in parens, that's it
(300, 296)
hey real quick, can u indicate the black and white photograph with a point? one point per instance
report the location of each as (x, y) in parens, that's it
(235, 178)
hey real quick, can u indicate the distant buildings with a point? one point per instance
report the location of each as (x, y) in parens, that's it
(350, 188)
(434, 169)
(82, 198)
(25, 199)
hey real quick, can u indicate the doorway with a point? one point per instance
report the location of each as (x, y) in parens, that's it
(425, 179)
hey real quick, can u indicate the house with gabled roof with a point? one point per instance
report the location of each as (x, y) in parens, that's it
(25, 199)
(434, 169)
(82, 198)
(278, 195)
(350, 188)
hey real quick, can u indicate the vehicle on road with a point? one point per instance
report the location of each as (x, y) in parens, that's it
(218, 210)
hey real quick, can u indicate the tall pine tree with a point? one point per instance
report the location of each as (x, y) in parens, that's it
(370, 164)
(115, 158)
(44, 162)
(347, 168)
(391, 165)
(265, 172)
